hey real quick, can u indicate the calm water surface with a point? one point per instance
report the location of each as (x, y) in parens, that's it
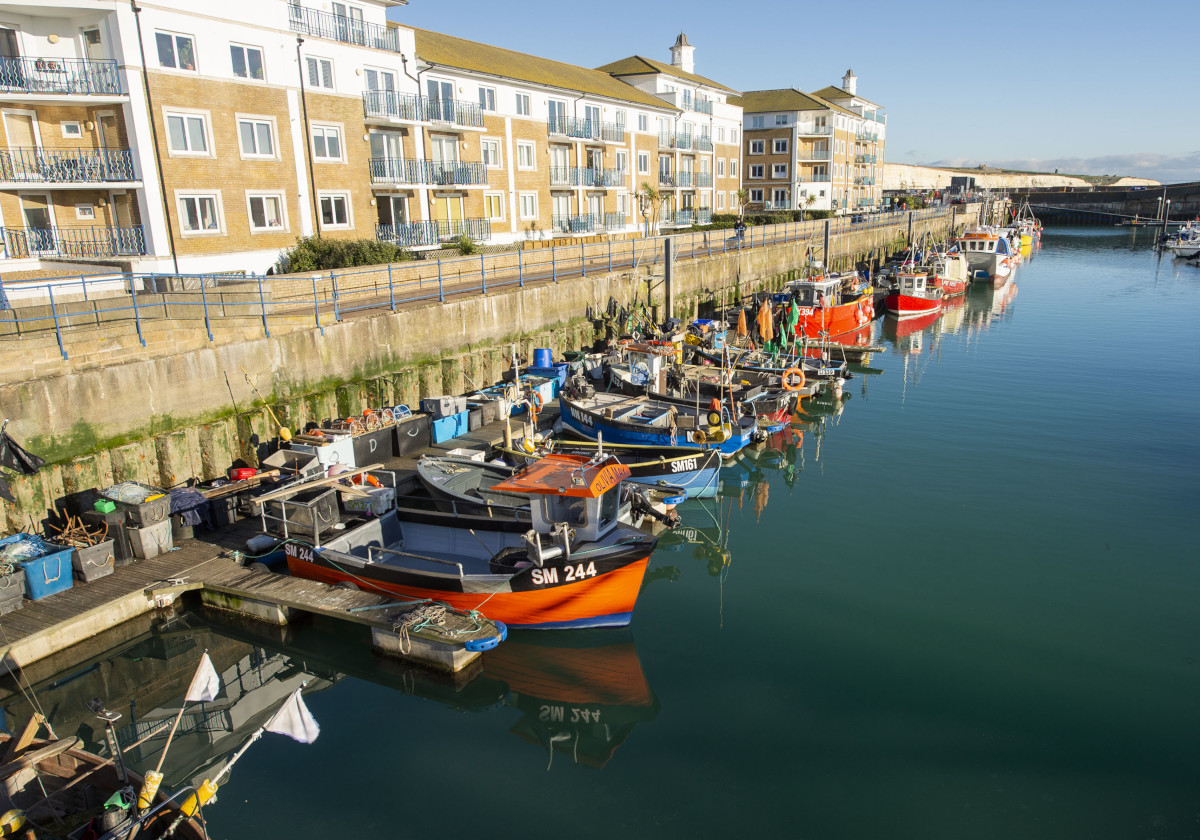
(965, 605)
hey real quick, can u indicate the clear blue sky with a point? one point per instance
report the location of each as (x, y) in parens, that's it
(1092, 88)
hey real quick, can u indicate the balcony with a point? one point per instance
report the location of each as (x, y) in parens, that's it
(66, 166)
(453, 112)
(818, 178)
(447, 173)
(668, 179)
(702, 143)
(574, 224)
(866, 158)
(60, 75)
(865, 182)
(584, 129)
(390, 105)
(614, 221)
(394, 171)
(704, 179)
(776, 205)
(867, 135)
(433, 232)
(339, 28)
(570, 176)
(78, 243)
(814, 130)
(686, 180)
(814, 154)
(701, 216)
(683, 142)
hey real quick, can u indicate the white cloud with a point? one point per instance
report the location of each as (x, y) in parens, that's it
(1166, 168)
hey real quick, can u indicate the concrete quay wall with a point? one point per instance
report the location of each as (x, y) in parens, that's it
(167, 417)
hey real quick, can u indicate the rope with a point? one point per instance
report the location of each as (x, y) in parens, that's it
(426, 615)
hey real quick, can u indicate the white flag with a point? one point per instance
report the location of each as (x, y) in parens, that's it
(294, 720)
(205, 684)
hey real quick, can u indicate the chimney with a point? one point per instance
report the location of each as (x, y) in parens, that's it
(681, 54)
(850, 82)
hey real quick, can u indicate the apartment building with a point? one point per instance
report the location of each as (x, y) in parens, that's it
(808, 151)
(696, 162)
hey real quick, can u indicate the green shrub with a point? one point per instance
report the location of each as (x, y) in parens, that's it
(313, 254)
(465, 245)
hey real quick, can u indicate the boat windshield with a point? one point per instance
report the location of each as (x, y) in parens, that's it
(610, 502)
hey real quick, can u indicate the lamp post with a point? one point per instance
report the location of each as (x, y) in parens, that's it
(1167, 216)
(1158, 210)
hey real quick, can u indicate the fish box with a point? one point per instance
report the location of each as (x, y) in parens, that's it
(489, 410)
(378, 501)
(151, 540)
(473, 454)
(448, 428)
(474, 419)
(95, 561)
(330, 450)
(293, 463)
(49, 574)
(180, 530)
(154, 510)
(115, 523)
(224, 510)
(374, 447)
(412, 434)
(12, 592)
(307, 514)
(446, 406)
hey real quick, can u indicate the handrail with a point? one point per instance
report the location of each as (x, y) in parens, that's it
(341, 28)
(60, 75)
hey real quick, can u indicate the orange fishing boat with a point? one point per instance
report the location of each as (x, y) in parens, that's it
(568, 563)
(830, 305)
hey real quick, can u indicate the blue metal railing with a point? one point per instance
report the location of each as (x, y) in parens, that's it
(813, 154)
(687, 180)
(45, 166)
(865, 158)
(73, 242)
(678, 141)
(454, 173)
(388, 104)
(433, 232)
(454, 111)
(585, 129)
(393, 171)
(338, 28)
(702, 143)
(585, 223)
(704, 179)
(570, 176)
(614, 221)
(60, 75)
(668, 179)
(702, 106)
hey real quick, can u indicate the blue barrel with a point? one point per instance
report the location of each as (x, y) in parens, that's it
(541, 358)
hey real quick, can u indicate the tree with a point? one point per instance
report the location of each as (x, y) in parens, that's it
(651, 201)
(743, 196)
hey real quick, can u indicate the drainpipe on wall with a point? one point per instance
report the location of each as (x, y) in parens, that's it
(312, 178)
(162, 185)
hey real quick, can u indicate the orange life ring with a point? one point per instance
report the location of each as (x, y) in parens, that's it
(789, 374)
(537, 402)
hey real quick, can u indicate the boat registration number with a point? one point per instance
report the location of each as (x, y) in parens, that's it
(583, 418)
(688, 534)
(806, 310)
(685, 465)
(554, 713)
(570, 574)
(299, 552)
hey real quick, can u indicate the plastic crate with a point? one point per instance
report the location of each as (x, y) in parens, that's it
(151, 512)
(412, 434)
(94, 561)
(115, 523)
(445, 406)
(308, 513)
(152, 540)
(12, 592)
(448, 428)
(292, 463)
(46, 575)
(378, 501)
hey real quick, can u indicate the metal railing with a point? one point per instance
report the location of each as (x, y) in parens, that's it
(814, 179)
(60, 75)
(864, 181)
(81, 242)
(66, 166)
(814, 129)
(704, 179)
(814, 154)
(866, 158)
(668, 179)
(585, 129)
(394, 171)
(585, 223)
(703, 144)
(571, 176)
(84, 301)
(389, 104)
(339, 28)
(700, 106)
(454, 112)
(614, 221)
(686, 180)
(446, 173)
(678, 141)
(867, 135)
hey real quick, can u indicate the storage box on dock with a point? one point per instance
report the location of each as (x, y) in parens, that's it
(448, 428)
(375, 446)
(95, 561)
(307, 513)
(223, 510)
(556, 373)
(489, 410)
(115, 523)
(46, 575)
(471, 454)
(328, 449)
(378, 501)
(155, 509)
(412, 434)
(445, 406)
(12, 591)
(152, 540)
(293, 463)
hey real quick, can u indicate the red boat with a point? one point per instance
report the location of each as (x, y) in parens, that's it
(830, 306)
(913, 296)
(948, 271)
(578, 566)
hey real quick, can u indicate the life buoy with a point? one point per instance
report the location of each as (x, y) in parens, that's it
(714, 418)
(536, 400)
(789, 375)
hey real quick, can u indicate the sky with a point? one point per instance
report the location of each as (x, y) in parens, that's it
(1095, 88)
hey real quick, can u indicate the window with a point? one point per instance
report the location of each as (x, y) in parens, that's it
(256, 138)
(187, 134)
(176, 51)
(779, 197)
(72, 129)
(491, 153)
(381, 80)
(327, 143)
(780, 146)
(487, 98)
(756, 195)
(199, 214)
(756, 122)
(525, 152)
(779, 170)
(622, 162)
(733, 164)
(733, 136)
(619, 117)
(247, 62)
(523, 105)
(720, 167)
(528, 205)
(643, 163)
(758, 147)
(335, 210)
(86, 212)
(733, 199)
(266, 212)
(720, 134)
(320, 72)
(643, 122)
(781, 119)
(493, 206)
(720, 201)
(756, 170)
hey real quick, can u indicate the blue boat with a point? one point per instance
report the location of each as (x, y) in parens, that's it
(623, 419)
(695, 470)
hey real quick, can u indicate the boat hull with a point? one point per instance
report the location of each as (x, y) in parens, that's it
(696, 472)
(592, 424)
(908, 306)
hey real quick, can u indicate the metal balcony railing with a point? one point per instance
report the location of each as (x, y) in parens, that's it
(449, 173)
(701, 106)
(433, 232)
(867, 182)
(814, 129)
(570, 176)
(677, 141)
(704, 216)
(388, 104)
(686, 180)
(704, 179)
(394, 171)
(585, 223)
(668, 179)
(776, 205)
(339, 28)
(60, 75)
(703, 144)
(584, 129)
(866, 158)
(868, 135)
(815, 179)
(813, 154)
(454, 112)
(66, 166)
(614, 221)
(73, 242)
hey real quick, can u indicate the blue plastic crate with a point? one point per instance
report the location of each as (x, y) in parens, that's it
(447, 428)
(46, 575)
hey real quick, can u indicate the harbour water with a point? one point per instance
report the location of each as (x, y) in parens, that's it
(964, 604)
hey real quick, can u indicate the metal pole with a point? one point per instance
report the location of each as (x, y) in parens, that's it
(316, 306)
(610, 256)
(337, 316)
(262, 301)
(482, 278)
(583, 259)
(137, 320)
(520, 270)
(554, 263)
(391, 290)
(441, 290)
(57, 329)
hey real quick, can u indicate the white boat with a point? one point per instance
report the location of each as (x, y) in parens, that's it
(991, 255)
(1185, 242)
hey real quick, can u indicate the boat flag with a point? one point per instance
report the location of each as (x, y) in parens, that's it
(294, 720)
(205, 684)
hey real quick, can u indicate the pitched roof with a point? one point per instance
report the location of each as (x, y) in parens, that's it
(447, 51)
(832, 92)
(786, 99)
(636, 65)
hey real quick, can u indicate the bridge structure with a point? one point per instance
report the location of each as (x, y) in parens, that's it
(1174, 203)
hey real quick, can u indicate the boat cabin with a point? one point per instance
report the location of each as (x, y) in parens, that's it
(915, 285)
(574, 489)
(648, 363)
(986, 241)
(816, 291)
